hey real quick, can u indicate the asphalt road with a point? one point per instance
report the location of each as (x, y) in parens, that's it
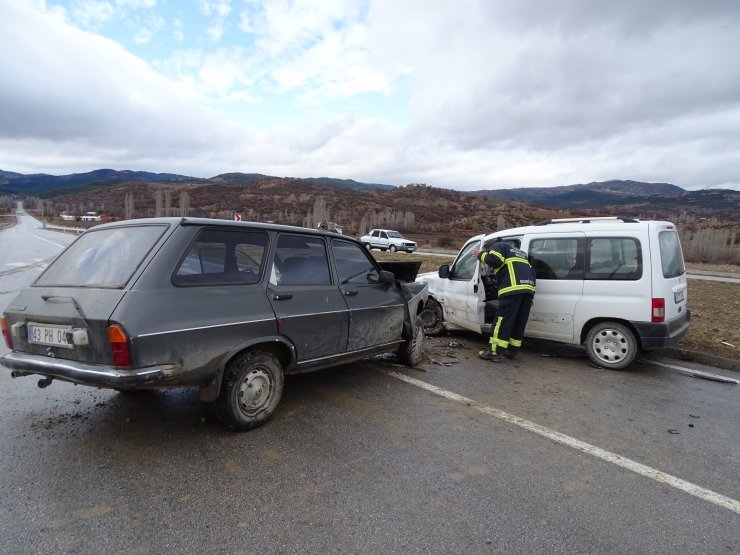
(374, 457)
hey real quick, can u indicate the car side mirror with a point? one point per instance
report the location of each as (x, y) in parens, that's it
(444, 271)
(386, 277)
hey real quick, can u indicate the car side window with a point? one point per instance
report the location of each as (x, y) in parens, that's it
(376, 233)
(226, 257)
(353, 264)
(464, 266)
(383, 235)
(300, 260)
(614, 258)
(558, 258)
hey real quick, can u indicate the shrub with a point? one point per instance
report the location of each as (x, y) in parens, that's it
(445, 242)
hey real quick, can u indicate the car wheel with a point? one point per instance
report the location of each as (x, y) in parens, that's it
(411, 350)
(392, 248)
(433, 318)
(250, 391)
(611, 345)
(368, 247)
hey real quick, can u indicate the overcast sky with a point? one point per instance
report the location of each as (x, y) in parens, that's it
(462, 94)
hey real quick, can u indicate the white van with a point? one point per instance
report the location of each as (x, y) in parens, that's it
(617, 285)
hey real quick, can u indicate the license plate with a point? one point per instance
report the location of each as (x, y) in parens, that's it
(679, 296)
(56, 336)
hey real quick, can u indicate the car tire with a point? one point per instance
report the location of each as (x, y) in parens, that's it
(611, 345)
(368, 246)
(392, 248)
(250, 390)
(411, 350)
(433, 318)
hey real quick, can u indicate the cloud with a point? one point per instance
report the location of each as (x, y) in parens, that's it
(495, 93)
(108, 104)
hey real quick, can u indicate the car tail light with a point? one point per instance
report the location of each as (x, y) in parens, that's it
(6, 333)
(119, 345)
(658, 310)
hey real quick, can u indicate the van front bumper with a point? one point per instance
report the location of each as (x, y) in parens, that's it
(664, 334)
(97, 375)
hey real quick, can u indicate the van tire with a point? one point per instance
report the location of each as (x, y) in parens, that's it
(251, 390)
(433, 317)
(611, 345)
(411, 350)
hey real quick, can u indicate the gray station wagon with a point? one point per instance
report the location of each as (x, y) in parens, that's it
(229, 307)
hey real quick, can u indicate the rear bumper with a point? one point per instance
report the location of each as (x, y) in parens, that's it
(90, 374)
(664, 334)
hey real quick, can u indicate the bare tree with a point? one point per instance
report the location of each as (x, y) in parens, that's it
(184, 203)
(167, 202)
(157, 203)
(128, 206)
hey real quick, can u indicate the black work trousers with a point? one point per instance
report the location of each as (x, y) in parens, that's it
(511, 319)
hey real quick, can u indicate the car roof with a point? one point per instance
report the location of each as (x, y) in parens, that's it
(204, 222)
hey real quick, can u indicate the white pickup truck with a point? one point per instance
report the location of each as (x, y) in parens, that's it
(387, 239)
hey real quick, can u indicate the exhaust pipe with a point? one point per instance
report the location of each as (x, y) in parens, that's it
(18, 373)
(46, 382)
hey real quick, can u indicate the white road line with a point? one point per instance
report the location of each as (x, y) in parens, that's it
(629, 464)
(692, 372)
(45, 239)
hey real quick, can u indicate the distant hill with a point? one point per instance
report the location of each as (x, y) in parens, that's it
(635, 198)
(583, 194)
(36, 184)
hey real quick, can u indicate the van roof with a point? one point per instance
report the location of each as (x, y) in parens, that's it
(586, 223)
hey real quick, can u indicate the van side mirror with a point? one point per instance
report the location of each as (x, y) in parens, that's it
(444, 271)
(386, 277)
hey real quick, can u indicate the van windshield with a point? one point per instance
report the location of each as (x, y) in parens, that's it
(671, 256)
(106, 258)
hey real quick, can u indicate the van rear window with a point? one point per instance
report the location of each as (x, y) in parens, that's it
(106, 258)
(614, 258)
(671, 256)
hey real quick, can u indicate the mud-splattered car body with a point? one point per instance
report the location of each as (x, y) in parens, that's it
(225, 306)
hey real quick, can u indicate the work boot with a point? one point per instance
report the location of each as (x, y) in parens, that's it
(489, 356)
(510, 353)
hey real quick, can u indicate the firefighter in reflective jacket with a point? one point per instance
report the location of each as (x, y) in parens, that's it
(515, 280)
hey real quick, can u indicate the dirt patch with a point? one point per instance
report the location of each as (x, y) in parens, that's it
(714, 309)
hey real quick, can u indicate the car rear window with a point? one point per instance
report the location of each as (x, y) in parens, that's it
(671, 256)
(105, 258)
(223, 257)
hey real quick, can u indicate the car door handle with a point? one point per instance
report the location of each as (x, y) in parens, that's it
(281, 297)
(350, 292)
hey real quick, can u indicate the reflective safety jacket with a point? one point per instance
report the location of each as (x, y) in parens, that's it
(514, 274)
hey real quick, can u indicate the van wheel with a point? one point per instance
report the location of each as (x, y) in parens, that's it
(611, 345)
(411, 350)
(392, 248)
(250, 391)
(433, 318)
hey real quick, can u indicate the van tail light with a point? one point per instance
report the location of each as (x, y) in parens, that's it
(6, 333)
(658, 310)
(119, 345)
